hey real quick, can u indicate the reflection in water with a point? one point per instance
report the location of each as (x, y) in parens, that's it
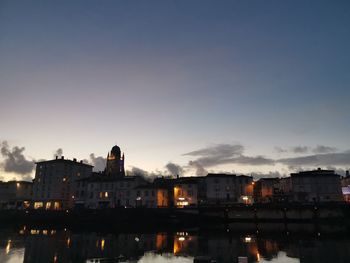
(49, 245)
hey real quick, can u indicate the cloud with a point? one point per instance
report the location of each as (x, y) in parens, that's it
(329, 159)
(149, 176)
(174, 169)
(305, 149)
(300, 149)
(200, 171)
(98, 162)
(58, 153)
(324, 149)
(225, 154)
(271, 174)
(280, 150)
(219, 150)
(15, 162)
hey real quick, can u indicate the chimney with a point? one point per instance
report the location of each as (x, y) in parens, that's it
(62, 157)
(74, 159)
(81, 161)
(56, 157)
(347, 173)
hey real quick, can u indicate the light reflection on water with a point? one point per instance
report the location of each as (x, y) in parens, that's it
(49, 245)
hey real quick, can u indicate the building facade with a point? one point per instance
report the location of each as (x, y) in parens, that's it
(265, 190)
(55, 183)
(104, 191)
(16, 194)
(228, 189)
(316, 186)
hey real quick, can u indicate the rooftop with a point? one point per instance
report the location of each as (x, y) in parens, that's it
(57, 160)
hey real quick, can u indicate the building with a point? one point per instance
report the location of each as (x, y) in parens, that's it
(283, 191)
(15, 194)
(151, 196)
(55, 183)
(345, 183)
(265, 190)
(186, 191)
(316, 186)
(115, 163)
(228, 189)
(105, 191)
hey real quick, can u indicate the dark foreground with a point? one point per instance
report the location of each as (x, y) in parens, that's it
(316, 214)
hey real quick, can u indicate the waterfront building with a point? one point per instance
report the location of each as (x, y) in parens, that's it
(15, 194)
(316, 186)
(55, 183)
(283, 190)
(228, 189)
(150, 196)
(265, 189)
(186, 191)
(106, 191)
(345, 183)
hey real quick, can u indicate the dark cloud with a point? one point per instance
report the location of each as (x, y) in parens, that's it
(329, 159)
(280, 150)
(98, 162)
(319, 149)
(174, 169)
(15, 161)
(200, 171)
(225, 154)
(272, 174)
(58, 153)
(300, 149)
(324, 149)
(219, 150)
(149, 176)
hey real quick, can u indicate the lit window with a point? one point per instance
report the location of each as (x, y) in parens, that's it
(38, 205)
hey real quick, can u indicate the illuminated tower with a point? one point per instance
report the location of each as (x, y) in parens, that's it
(115, 163)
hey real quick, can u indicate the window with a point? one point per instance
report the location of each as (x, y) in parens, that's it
(38, 205)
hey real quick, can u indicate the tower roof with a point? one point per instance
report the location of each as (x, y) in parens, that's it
(115, 150)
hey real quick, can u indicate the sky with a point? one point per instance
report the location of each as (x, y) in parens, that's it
(188, 87)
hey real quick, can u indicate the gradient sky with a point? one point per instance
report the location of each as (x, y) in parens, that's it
(166, 78)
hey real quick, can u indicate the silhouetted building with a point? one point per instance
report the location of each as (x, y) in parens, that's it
(115, 163)
(55, 183)
(265, 189)
(228, 188)
(316, 186)
(186, 191)
(15, 194)
(103, 191)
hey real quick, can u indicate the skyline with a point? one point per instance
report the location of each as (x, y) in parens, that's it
(226, 86)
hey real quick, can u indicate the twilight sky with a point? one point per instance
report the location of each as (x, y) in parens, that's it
(238, 86)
